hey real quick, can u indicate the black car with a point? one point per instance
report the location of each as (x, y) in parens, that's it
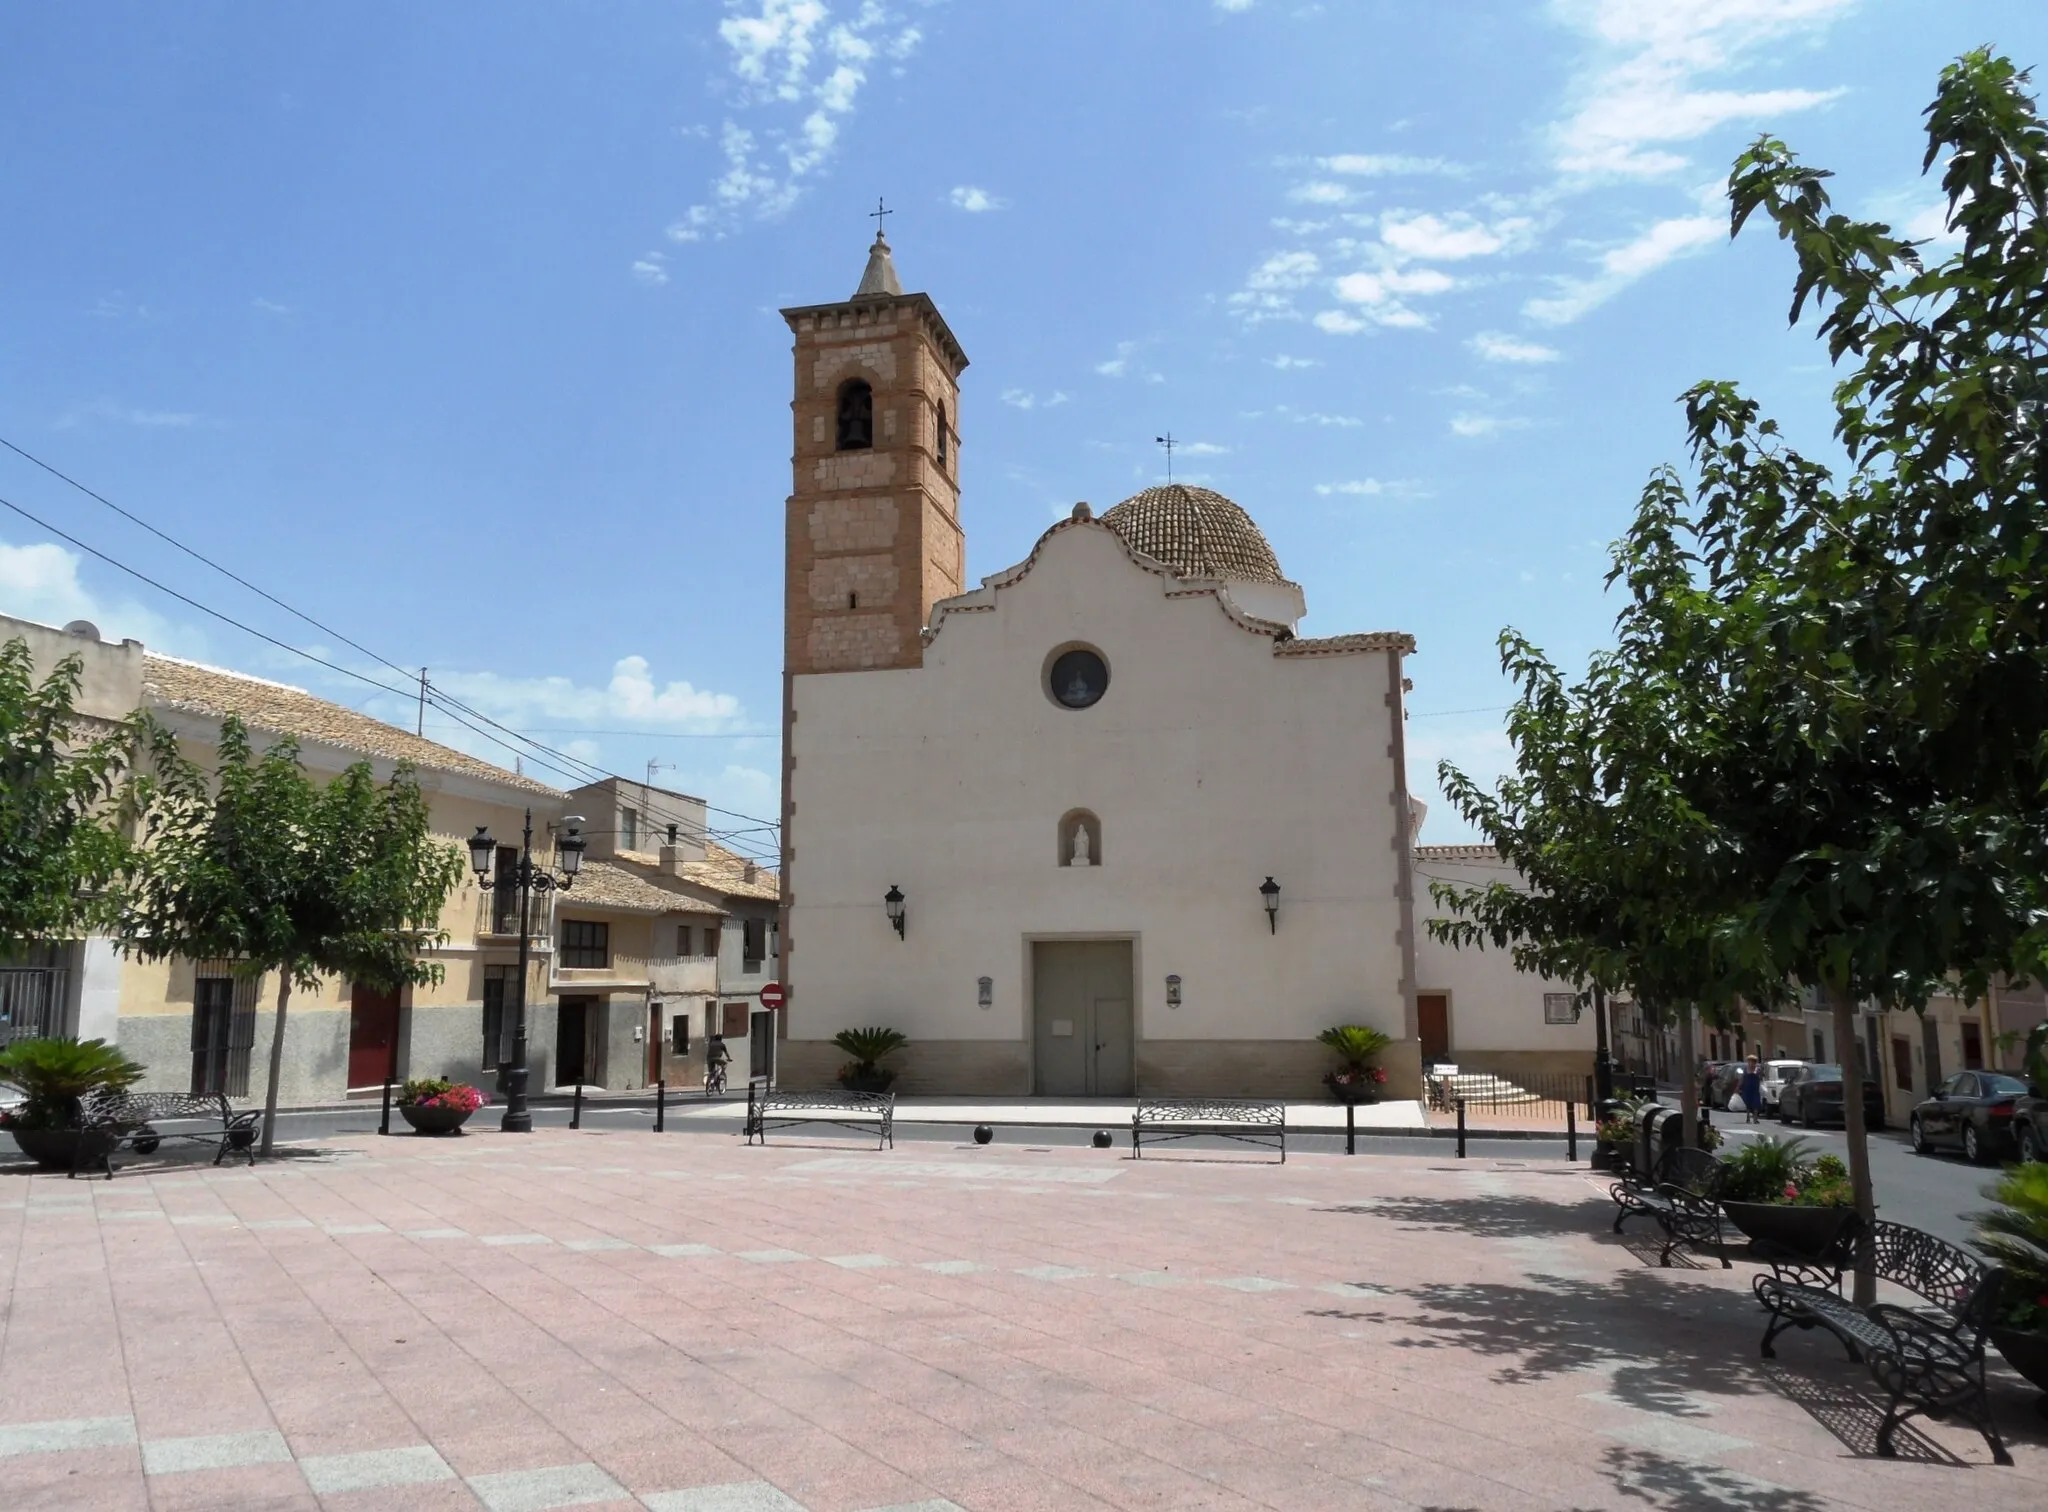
(1813, 1093)
(1975, 1111)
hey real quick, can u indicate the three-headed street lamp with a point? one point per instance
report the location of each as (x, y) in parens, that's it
(529, 879)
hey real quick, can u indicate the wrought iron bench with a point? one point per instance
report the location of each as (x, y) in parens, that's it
(1682, 1194)
(128, 1120)
(777, 1108)
(1250, 1121)
(1926, 1359)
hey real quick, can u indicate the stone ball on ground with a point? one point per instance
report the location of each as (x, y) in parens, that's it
(983, 1133)
(1101, 1140)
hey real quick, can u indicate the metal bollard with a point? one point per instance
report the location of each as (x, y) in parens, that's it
(384, 1124)
(660, 1103)
(576, 1107)
(1571, 1132)
(1461, 1128)
(1350, 1129)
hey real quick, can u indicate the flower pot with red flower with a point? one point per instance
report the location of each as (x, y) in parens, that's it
(435, 1105)
(1357, 1079)
(1785, 1200)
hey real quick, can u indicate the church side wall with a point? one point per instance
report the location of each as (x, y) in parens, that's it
(1496, 1012)
(1210, 765)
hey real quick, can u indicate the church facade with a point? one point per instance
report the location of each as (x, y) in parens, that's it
(1104, 824)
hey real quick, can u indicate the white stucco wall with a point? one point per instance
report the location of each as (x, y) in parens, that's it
(1493, 1007)
(1210, 763)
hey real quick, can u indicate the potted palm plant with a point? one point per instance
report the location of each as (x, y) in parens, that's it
(2015, 1234)
(1780, 1196)
(435, 1105)
(867, 1047)
(55, 1077)
(1357, 1079)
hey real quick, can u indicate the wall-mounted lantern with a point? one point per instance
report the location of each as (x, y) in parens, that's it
(1270, 891)
(893, 901)
(985, 991)
(1173, 992)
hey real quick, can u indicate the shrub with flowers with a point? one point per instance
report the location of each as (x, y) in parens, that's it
(439, 1092)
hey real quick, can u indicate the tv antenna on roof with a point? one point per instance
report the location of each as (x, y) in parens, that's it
(1169, 443)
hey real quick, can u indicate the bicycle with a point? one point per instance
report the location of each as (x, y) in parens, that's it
(714, 1078)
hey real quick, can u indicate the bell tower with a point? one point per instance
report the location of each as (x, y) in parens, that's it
(873, 532)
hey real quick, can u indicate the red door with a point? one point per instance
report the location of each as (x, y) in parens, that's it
(372, 1036)
(1433, 1023)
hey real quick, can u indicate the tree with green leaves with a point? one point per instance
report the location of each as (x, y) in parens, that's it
(1856, 670)
(63, 844)
(260, 865)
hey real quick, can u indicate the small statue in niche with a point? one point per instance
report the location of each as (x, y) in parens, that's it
(1080, 854)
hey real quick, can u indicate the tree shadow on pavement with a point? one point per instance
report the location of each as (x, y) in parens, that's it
(1486, 1217)
(1685, 1486)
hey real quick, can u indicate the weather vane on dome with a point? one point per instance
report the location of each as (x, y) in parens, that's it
(877, 213)
(1169, 443)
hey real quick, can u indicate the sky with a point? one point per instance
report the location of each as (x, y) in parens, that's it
(455, 328)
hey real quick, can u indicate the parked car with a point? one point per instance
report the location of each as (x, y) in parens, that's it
(1974, 1111)
(1721, 1090)
(2030, 1128)
(1710, 1077)
(1812, 1093)
(1774, 1074)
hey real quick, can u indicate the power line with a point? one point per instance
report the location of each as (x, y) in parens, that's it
(199, 556)
(559, 762)
(142, 577)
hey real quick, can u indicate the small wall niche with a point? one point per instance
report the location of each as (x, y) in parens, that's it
(1080, 839)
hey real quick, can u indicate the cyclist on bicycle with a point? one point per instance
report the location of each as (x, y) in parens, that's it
(716, 1059)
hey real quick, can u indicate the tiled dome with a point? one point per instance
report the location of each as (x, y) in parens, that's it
(1197, 532)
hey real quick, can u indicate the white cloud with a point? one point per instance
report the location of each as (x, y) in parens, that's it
(1384, 164)
(124, 414)
(1641, 93)
(1495, 346)
(649, 269)
(1931, 225)
(1234, 5)
(1371, 487)
(1286, 363)
(1199, 448)
(1340, 323)
(974, 201)
(631, 694)
(270, 306)
(1319, 192)
(1623, 265)
(1485, 425)
(1024, 399)
(1118, 365)
(41, 583)
(1450, 238)
(1378, 288)
(801, 72)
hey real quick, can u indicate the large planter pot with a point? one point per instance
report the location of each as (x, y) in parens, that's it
(56, 1149)
(428, 1120)
(2028, 1354)
(1794, 1231)
(1352, 1092)
(878, 1080)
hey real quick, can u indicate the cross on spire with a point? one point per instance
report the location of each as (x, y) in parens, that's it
(881, 209)
(1169, 443)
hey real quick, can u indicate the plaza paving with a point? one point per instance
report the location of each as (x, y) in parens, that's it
(620, 1320)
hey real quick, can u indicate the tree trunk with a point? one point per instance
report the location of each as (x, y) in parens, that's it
(284, 996)
(1849, 1052)
(1688, 1078)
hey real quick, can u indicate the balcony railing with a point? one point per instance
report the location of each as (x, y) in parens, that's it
(31, 1002)
(497, 916)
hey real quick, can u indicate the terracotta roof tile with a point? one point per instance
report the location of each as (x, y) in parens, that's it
(1197, 532)
(284, 710)
(720, 871)
(1339, 645)
(609, 884)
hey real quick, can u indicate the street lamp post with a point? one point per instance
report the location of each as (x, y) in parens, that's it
(1603, 1075)
(529, 879)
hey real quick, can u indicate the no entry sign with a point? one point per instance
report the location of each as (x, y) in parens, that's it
(771, 995)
